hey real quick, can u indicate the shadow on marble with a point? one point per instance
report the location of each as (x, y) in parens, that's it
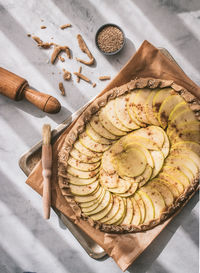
(19, 205)
(148, 258)
(37, 58)
(163, 14)
(7, 263)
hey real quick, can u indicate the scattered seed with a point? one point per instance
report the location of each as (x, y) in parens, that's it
(110, 39)
(65, 26)
(85, 50)
(104, 78)
(62, 89)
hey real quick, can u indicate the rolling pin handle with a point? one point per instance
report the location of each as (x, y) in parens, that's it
(43, 101)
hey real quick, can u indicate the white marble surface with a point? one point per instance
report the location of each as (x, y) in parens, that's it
(27, 242)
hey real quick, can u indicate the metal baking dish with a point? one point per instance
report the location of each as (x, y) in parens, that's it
(28, 161)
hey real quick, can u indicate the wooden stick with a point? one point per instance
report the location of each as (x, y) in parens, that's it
(46, 169)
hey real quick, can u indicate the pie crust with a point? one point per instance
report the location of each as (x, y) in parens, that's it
(94, 158)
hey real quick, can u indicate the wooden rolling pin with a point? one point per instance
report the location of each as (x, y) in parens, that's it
(17, 88)
(46, 169)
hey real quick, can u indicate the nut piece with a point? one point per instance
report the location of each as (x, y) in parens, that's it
(62, 89)
(65, 26)
(104, 78)
(57, 51)
(66, 75)
(84, 49)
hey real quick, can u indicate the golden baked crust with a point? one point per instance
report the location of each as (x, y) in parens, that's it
(79, 127)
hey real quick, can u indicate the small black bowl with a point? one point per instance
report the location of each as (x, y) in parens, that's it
(113, 52)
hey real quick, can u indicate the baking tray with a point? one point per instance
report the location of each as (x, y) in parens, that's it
(29, 159)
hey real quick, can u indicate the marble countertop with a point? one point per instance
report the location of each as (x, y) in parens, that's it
(28, 243)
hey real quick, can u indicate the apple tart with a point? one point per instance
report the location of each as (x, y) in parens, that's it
(133, 156)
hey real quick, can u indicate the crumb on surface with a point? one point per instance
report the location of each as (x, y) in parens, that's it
(79, 71)
(61, 88)
(57, 50)
(66, 75)
(65, 26)
(85, 50)
(61, 58)
(43, 27)
(83, 77)
(28, 34)
(104, 78)
(94, 85)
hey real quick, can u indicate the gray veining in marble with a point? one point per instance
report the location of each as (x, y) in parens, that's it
(27, 242)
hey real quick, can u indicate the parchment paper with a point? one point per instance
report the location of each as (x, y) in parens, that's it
(148, 61)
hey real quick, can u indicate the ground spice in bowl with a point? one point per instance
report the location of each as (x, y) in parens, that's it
(110, 39)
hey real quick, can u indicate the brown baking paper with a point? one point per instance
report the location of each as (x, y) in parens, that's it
(148, 61)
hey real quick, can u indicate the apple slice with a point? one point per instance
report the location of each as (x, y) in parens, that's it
(122, 186)
(154, 134)
(158, 159)
(183, 152)
(84, 158)
(84, 190)
(186, 135)
(166, 108)
(93, 206)
(183, 162)
(91, 203)
(168, 184)
(82, 166)
(166, 145)
(177, 174)
(103, 117)
(163, 190)
(131, 162)
(102, 205)
(193, 146)
(91, 144)
(80, 181)
(98, 128)
(170, 179)
(184, 116)
(139, 104)
(130, 191)
(136, 220)
(158, 99)
(131, 112)
(145, 176)
(81, 174)
(112, 116)
(96, 137)
(120, 213)
(141, 205)
(143, 141)
(82, 149)
(180, 107)
(113, 211)
(129, 213)
(98, 216)
(107, 161)
(182, 126)
(134, 145)
(109, 181)
(156, 198)
(152, 119)
(122, 112)
(149, 206)
(91, 197)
